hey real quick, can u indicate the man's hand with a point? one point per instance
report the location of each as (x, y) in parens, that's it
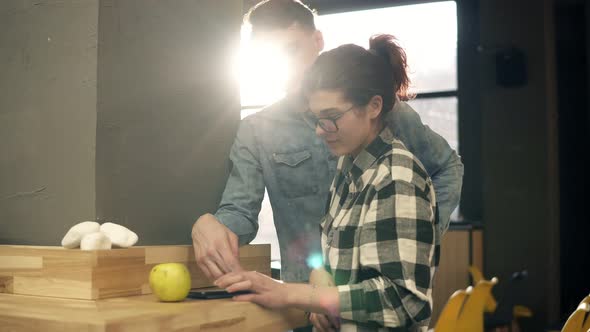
(321, 277)
(216, 247)
(324, 323)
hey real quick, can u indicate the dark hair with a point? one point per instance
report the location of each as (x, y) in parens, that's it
(362, 74)
(279, 14)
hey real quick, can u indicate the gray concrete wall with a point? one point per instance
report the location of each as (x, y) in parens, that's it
(48, 58)
(114, 110)
(168, 109)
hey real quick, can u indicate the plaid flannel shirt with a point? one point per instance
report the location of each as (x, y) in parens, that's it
(379, 238)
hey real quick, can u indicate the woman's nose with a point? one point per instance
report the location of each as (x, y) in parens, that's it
(320, 132)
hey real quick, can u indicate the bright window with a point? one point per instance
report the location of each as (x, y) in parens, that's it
(427, 32)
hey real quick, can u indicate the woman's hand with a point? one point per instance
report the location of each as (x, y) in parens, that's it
(321, 277)
(267, 292)
(323, 323)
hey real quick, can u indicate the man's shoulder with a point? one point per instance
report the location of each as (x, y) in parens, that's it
(278, 110)
(403, 111)
(278, 128)
(431, 148)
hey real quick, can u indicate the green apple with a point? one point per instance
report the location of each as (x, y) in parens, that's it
(170, 282)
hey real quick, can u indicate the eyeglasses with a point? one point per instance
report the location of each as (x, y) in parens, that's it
(328, 124)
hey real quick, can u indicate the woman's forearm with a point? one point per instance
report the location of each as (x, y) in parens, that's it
(324, 300)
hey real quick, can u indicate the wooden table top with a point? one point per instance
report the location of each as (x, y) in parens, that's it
(19, 313)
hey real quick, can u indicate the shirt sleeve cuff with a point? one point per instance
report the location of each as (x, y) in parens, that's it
(352, 302)
(244, 229)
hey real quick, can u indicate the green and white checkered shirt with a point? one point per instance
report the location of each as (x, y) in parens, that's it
(379, 238)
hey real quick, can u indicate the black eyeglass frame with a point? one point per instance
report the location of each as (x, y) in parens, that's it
(313, 121)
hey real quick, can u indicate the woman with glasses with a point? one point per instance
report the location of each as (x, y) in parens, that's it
(379, 237)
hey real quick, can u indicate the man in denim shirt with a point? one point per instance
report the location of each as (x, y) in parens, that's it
(275, 149)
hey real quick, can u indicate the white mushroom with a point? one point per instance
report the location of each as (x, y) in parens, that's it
(74, 236)
(95, 241)
(120, 236)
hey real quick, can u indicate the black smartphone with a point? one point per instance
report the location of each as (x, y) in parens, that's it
(214, 294)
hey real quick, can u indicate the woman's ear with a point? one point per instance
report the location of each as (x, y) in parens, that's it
(375, 107)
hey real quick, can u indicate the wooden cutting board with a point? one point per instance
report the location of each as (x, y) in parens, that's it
(22, 313)
(77, 274)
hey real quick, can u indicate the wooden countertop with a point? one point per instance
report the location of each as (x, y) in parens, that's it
(19, 313)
